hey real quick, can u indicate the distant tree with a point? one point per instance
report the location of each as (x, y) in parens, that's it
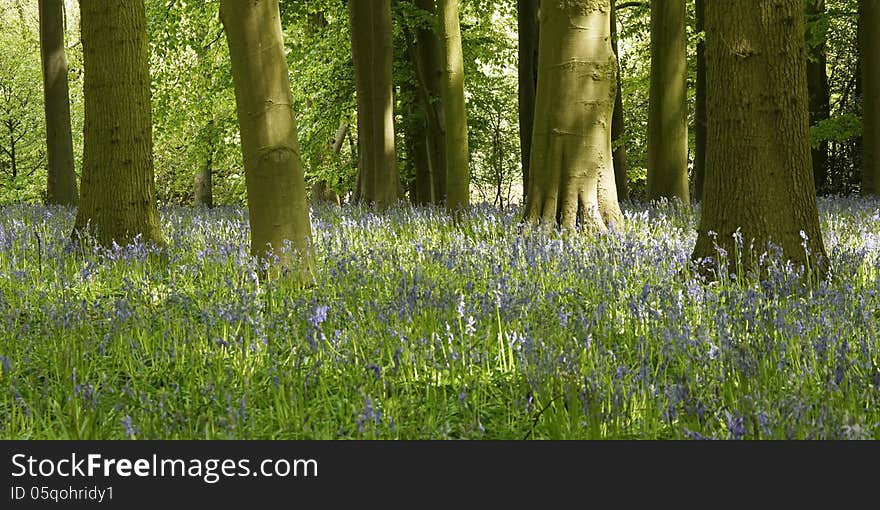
(869, 14)
(817, 84)
(118, 198)
(572, 176)
(371, 41)
(61, 177)
(667, 115)
(617, 120)
(758, 171)
(457, 153)
(279, 214)
(700, 102)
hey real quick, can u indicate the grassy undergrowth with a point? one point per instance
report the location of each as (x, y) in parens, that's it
(418, 328)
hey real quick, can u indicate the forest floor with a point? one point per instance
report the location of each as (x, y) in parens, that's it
(418, 328)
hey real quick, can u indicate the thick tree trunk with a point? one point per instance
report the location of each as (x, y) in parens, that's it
(61, 177)
(700, 106)
(759, 176)
(279, 213)
(667, 114)
(617, 126)
(572, 174)
(817, 84)
(869, 20)
(378, 177)
(458, 173)
(527, 15)
(118, 189)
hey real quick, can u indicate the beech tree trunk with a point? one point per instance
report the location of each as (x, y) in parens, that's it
(527, 16)
(572, 173)
(371, 40)
(458, 173)
(869, 20)
(279, 213)
(61, 177)
(759, 175)
(118, 197)
(667, 113)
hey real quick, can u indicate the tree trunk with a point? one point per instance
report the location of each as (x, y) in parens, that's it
(667, 113)
(572, 174)
(203, 186)
(426, 57)
(700, 106)
(118, 188)
(457, 155)
(527, 15)
(759, 176)
(869, 20)
(817, 84)
(617, 126)
(416, 135)
(61, 177)
(378, 177)
(279, 212)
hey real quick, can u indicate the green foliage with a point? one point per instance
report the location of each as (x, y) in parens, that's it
(839, 129)
(193, 102)
(22, 125)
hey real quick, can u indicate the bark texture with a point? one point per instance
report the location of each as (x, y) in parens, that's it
(279, 214)
(667, 113)
(759, 175)
(61, 177)
(572, 174)
(527, 16)
(118, 188)
(371, 34)
(458, 173)
(869, 21)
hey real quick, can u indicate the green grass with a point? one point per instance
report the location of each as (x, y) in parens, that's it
(432, 330)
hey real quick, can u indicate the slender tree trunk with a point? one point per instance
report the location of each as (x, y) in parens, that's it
(279, 213)
(457, 154)
(667, 114)
(61, 177)
(759, 175)
(378, 177)
(869, 21)
(817, 84)
(572, 172)
(700, 121)
(617, 126)
(203, 189)
(118, 189)
(527, 15)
